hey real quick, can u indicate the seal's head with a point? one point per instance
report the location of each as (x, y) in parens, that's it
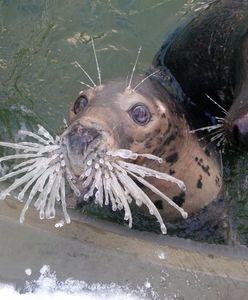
(111, 117)
(144, 120)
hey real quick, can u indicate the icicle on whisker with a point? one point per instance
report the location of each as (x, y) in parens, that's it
(121, 195)
(34, 136)
(147, 172)
(156, 191)
(140, 197)
(63, 201)
(19, 156)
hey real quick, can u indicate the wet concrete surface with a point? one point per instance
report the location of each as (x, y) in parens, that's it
(97, 251)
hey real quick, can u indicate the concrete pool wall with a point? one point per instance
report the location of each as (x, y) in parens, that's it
(97, 251)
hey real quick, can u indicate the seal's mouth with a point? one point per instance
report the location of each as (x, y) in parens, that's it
(108, 175)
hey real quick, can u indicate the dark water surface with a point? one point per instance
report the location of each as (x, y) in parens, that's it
(40, 40)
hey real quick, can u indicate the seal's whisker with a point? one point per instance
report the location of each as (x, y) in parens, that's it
(221, 163)
(120, 193)
(70, 179)
(98, 185)
(141, 197)
(134, 68)
(110, 193)
(34, 136)
(217, 136)
(146, 172)
(42, 171)
(211, 134)
(97, 64)
(221, 107)
(86, 84)
(155, 190)
(81, 68)
(143, 80)
(106, 188)
(63, 202)
(24, 163)
(19, 156)
(42, 131)
(220, 120)
(29, 183)
(222, 140)
(208, 128)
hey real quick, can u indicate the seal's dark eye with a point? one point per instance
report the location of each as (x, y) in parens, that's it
(140, 114)
(80, 104)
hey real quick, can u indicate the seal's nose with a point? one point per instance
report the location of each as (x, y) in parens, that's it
(80, 138)
(240, 131)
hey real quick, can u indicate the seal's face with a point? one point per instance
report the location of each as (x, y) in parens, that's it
(113, 117)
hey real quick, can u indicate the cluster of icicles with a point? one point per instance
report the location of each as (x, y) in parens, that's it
(111, 179)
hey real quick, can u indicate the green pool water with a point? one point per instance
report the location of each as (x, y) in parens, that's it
(40, 41)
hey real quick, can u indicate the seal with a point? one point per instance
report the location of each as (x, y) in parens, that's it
(145, 119)
(209, 58)
(125, 143)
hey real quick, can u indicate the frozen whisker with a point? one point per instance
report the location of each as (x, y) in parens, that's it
(19, 156)
(120, 194)
(32, 145)
(106, 176)
(70, 178)
(140, 197)
(39, 175)
(34, 136)
(128, 154)
(42, 131)
(134, 68)
(112, 182)
(147, 172)
(18, 146)
(25, 163)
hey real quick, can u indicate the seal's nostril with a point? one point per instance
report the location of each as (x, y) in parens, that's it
(235, 133)
(80, 138)
(240, 132)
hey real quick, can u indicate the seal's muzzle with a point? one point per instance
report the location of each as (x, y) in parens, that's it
(79, 138)
(80, 141)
